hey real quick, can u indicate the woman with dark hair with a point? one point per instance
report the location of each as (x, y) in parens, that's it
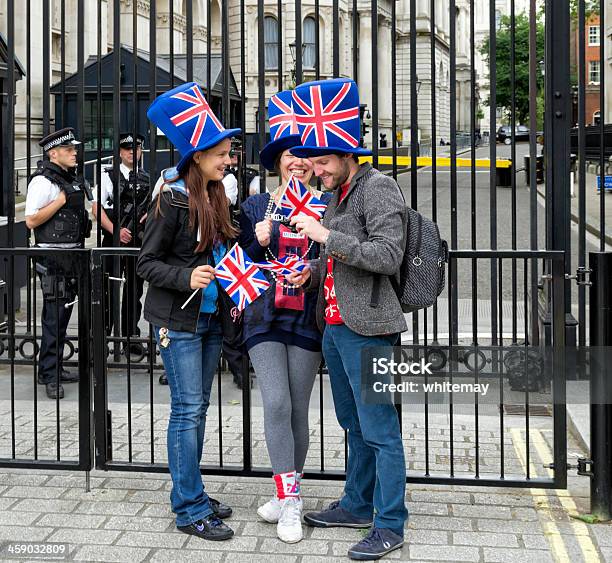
(280, 333)
(188, 231)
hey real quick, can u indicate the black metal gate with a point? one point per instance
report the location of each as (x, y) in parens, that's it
(430, 124)
(38, 432)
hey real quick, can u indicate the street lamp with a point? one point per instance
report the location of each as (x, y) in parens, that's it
(418, 85)
(542, 67)
(292, 49)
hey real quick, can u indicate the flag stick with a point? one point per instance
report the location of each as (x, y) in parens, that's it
(195, 291)
(282, 193)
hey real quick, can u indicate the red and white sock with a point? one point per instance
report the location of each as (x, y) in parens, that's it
(287, 485)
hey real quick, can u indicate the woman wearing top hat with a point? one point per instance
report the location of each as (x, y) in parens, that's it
(188, 230)
(279, 330)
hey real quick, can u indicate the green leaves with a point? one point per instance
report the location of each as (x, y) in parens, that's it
(503, 57)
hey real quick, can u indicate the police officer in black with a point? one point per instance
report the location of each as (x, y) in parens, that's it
(55, 211)
(134, 198)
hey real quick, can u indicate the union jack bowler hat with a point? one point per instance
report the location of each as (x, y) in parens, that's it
(185, 117)
(284, 133)
(327, 114)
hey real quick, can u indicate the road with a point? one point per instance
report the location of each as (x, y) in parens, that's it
(480, 217)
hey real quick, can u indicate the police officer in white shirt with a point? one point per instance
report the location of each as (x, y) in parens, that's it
(55, 211)
(130, 153)
(134, 198)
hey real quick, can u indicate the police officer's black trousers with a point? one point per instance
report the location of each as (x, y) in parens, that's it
(131, 295)
(55, 318)
(233, 356)
(131, 300)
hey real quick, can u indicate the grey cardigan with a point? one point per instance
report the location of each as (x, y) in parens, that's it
(367, 237)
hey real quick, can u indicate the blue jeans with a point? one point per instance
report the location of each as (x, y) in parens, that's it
(190, 361)
(376, 468)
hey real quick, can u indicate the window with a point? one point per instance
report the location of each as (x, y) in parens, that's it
(90, 117)
(498, 17)
(593, 35)
(594, 72)
(310, 49)
(56, 15)
(56, 47)
(267, 126)
(271, 42)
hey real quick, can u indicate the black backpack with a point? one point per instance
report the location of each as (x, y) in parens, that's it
(423, 269)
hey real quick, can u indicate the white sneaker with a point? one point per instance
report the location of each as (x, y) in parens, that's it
(289, 527)
(270, 511)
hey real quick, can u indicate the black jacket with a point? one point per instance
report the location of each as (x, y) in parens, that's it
(166, 260)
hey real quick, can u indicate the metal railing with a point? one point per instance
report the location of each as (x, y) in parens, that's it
(471, 212)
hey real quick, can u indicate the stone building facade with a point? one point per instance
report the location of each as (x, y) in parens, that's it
(439, 80)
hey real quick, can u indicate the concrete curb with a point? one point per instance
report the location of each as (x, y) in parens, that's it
(588, 226)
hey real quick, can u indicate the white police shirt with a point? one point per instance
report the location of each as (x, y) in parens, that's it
(230, 183)
(106, 186)
(41, 192)
(231, 186)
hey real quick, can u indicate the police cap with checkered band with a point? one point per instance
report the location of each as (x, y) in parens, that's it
(61, 138)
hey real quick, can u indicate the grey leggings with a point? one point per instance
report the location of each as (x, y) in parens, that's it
(285, 375)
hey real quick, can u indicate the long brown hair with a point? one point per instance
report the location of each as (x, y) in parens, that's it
(211, 217)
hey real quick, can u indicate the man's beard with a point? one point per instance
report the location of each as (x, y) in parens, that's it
(341, 179)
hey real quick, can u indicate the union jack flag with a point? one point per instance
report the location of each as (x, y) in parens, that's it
(198, 109)
(297, 199)
(323, 120)
(240, 277)
(284, 266)
(283, 120)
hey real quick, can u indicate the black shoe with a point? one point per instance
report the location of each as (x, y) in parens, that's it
(334, 516)
(65, 377)
(375, 545)
(163, 379)
(54, 390)
(238, 382)
(209, 528)
(68, 376)
(221, 510)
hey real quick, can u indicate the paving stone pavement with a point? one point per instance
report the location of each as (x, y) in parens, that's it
(126, 515)
(447, 523)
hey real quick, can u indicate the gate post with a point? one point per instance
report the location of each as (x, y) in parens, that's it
(102, 423)
(600, 330)
(557, 125)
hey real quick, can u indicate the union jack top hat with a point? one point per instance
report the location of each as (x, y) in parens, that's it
(327, 114)
(284, 132)
(185, 117)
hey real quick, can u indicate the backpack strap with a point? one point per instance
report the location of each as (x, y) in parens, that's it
(357, 197)
(419, 236)
(375, 295)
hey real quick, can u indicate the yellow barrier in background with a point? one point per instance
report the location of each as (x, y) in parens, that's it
(440, 161)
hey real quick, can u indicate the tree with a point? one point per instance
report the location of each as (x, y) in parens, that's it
(503, 82)
(590, 7)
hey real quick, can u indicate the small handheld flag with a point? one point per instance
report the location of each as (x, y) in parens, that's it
(240, 277)
(284, 266)
(297, 199)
